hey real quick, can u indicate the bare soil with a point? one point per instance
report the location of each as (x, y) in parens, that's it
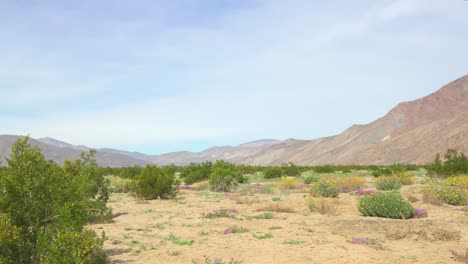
(139, 234)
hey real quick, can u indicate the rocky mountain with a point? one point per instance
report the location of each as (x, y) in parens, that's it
(412, 132)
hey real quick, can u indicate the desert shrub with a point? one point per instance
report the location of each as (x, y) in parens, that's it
(387, 183)
(405, 178)
(289, 169)
(454, 163)
(324, 169)
(377, 172)
(196, 172)
(446, 191)
(311, 179)
(346, 171)
(9, 239)
(272, 172)
(224, 177)
(153, 183)
(325, 188)
(287, 183)
(119, 185)
(325, 206)
(385, 204)
(42, 201)
(347, 184)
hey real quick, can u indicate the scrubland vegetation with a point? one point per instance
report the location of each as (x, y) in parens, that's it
(217, 212)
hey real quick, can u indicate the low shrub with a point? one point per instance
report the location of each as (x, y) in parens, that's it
(272, 172)
(324, 206)
(234, 230)
(224, 177)
(311, 179)
(262, 236)
(460, 256)
(405, 178)
(153, 183)
(347, 184)
(119, 185)
(387, 183)
(287, 183)
(445, 191)
(221, 212)
(385, 204)
(325, 188)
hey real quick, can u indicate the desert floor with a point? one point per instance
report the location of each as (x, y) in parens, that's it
(141, 233)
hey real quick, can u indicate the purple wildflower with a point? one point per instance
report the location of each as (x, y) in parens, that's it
(464, 209)
(420, 213)
(365, 192)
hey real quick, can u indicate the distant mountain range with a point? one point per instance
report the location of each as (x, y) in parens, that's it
(412, 132)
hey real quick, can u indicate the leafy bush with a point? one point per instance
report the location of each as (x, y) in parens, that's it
(196, 172)
(405, 178)
(287, 183)
(289, 169)
(224, 177)
(42, 203)
(273, 172)
(154, 182)
(454, 164)
(446, 191)
(387, 183)
(325, 188)
(311, 179)
(385, 204)
(325, 169)
(381, 172)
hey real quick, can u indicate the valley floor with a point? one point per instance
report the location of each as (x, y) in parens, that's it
(142, 234)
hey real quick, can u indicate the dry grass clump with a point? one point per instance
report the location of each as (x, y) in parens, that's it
(277, 208)
(244, 199)
(287, 183)
(347, 184)
(422, 232)
(324, 206)
(202, 186)
(412, 198)
(405, 178)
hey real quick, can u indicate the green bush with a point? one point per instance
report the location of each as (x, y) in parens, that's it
(289, 169)
(273, 172)
(325, 188)
(40, 201)
(454, 164)
(154, 183)
(387, 183)
(225, 177)
(311, 179)
(196, 172)
(385, 204)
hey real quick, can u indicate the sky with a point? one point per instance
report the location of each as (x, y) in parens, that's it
(157, 76)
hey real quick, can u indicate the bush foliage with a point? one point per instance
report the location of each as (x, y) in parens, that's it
(385, 204)
(43, 206)
(225, 177)
(325, 188)
(387, 183)
(154, 182)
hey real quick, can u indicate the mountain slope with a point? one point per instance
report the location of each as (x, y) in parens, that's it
(412, 132)
(448, 102)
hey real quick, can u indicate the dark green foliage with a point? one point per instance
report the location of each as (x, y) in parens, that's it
(311, 179)
(272, 172)
(154, 182)
(454, 164)
(385, 204)
(382, 171)
(325, 169)
(289, 169)
(224, 177)
(196, 172)
(41, 201)
(387, 183)
(325, 189)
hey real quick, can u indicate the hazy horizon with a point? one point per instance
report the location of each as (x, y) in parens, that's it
(166, 76)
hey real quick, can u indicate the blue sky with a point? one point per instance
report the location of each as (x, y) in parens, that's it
(158, 76)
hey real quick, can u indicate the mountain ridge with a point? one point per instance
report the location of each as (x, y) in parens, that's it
(428, 125)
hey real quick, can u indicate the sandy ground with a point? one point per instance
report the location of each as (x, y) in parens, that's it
(138, 236)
